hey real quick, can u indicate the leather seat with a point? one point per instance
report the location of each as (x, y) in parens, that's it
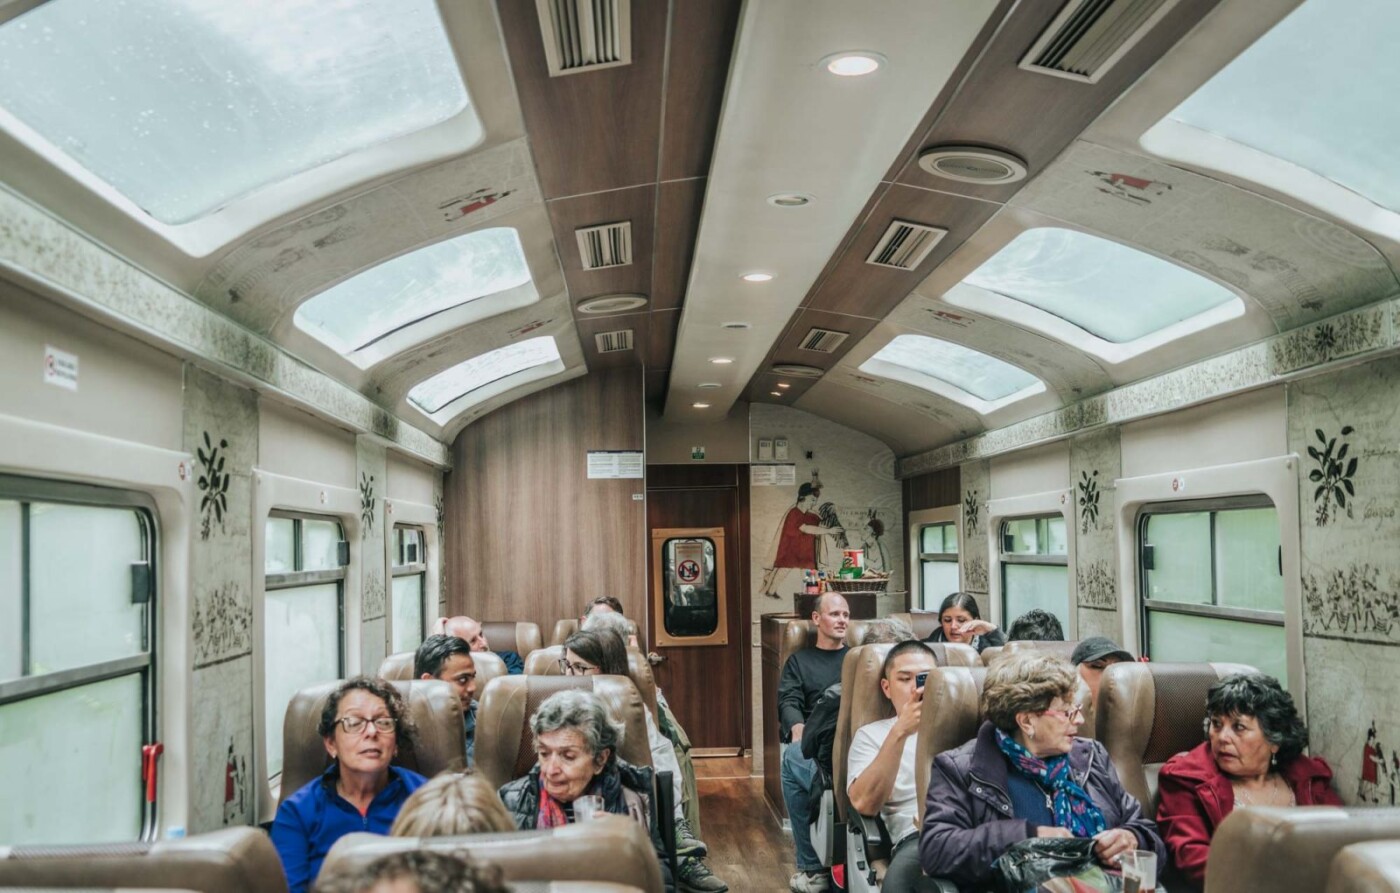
(1372, 867)
(519, 636)
(1287, 850)
(399, 668)
(439, 743)
(505, 747)
(1149, 712)
(610, 850)
(232, 860)
(568, 626)
(1062, 650)
(545, 662)
(923, 623)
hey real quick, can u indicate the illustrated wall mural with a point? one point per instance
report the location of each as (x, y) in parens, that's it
(371, 470)
(221, 432)
(1095, 462)
(972, 547)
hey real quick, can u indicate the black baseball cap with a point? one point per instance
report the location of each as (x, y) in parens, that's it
(1097, 648)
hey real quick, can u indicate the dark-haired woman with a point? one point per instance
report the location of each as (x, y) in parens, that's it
(960, 620)
(361, 725)
(1252, 756)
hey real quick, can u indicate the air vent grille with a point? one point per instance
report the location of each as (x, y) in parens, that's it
(613, 342)
(905, 245)
(823, 340)
(609, 245)
(1088, 37)
(585, 35)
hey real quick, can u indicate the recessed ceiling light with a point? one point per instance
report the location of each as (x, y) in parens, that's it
(611, 303)
(784, 385)
(700, 405)
(721, 361)
(853, 64)
(790, 199)
(776, 393)
(709, 385)
(757, 277)
(798, 370)
(735, 325)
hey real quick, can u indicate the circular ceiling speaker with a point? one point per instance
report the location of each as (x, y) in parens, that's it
(970, 164)
(602, 304)
(797, 370)
(789, 199)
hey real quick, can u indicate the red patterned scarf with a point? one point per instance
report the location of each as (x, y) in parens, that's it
(551, 812)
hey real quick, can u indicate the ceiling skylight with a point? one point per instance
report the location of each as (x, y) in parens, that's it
(1112, 291)
(1315, 91)
(462, 379)
(183, 106)
(984, 377)
(414, 286)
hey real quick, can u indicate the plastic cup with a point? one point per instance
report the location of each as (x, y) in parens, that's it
(587, 807)
(1140, 871)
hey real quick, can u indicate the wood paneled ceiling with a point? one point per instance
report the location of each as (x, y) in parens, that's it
(629, 143)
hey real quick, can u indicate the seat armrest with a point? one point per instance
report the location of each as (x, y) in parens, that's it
(666, 819)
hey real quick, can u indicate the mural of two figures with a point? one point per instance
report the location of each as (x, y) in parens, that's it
(1380, 771)
(813, 535)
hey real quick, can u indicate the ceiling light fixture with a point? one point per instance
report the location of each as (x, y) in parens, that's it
(721, 361)
(790, 199)
(709, 385)
(853, 64)
(776, 393)
(700, 405)
(600, 304)
(798, 370)
(736, 325)
(757, 277)
(784, 385)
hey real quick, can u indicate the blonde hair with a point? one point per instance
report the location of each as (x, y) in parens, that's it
(452, 803)
(1024, 683)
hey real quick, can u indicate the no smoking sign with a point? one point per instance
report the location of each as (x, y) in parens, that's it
(688, 571)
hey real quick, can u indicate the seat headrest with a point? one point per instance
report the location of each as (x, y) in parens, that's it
(562, 630)
(990, 654)
(955, 654)
(545, 662)
(439, 742)
(229, 861)
(505, 746)
(519, 636)
(399, 667)
(952, 714)
(923, 623)
(608, 850)
(1269, 849)
(1061, 650)
(1372, 867)
(862, 702)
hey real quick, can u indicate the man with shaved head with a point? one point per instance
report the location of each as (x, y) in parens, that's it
(463, 627)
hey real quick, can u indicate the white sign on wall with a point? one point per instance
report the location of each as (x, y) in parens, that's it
(60, 368)
(609, 464)
(773, 475)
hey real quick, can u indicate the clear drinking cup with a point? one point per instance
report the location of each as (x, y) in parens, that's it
(588, 806)
(1140, 871)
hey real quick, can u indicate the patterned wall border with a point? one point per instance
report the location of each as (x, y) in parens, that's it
(45, 251)
(1355, 336)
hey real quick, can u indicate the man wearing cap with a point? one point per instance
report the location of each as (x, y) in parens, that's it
(1092, 655)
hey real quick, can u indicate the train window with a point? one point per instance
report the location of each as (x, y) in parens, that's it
(410, 572)
(455, 387)
(959, 373)
(938, 563)
(1035, 567)
(1082, 279)
(303, 616)
(77, 625)
(1212, 583)
(205, 102)
(398, 293)
(1320, 117)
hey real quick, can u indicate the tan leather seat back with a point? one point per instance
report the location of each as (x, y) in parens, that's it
(505, 746)
(862, 702)
(519, 636)
(562, 630)
(232, 860)
(1372, 867)
(399, 667)
(545, 662)
(923, 623)
(1062, 650)
(1147, 712)
(952, 714)
(610, 850)
(1285, 850)
(955, 654)
(439, 742)
(990, 654)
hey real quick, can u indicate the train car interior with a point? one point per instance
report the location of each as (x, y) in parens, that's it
(371, 369)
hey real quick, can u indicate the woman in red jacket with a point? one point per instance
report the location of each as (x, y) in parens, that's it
(1253, 756)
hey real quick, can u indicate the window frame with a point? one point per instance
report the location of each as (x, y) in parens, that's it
(1012, 508)
(418, 568)
(1005, 558)
(25, 489)
(917, 521)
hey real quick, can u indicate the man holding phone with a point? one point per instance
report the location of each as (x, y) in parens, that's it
(882, 759)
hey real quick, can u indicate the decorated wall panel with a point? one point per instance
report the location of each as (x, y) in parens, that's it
(972, 551)
(1095, 463)
(371, 475)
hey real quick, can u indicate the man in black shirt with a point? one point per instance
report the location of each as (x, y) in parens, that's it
(806, 675)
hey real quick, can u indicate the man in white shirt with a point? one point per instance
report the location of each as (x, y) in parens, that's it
(880, 765)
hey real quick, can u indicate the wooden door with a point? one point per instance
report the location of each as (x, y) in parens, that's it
(706, 679)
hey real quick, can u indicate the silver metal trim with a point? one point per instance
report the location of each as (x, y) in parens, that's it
(299, 579)
(50, 683)
(1248, 615)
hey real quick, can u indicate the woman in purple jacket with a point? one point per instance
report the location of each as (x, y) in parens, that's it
(1025, 775)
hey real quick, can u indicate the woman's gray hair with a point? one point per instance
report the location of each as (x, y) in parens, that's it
(585, 713)
(1024, 683)
(608, 621)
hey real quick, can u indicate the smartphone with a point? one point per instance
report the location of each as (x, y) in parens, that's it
(920, 679)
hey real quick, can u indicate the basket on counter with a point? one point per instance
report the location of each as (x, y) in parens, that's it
(857, 584)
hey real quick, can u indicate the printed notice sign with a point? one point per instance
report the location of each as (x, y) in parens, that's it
(608, 464)
(773, 475)
(60, 368)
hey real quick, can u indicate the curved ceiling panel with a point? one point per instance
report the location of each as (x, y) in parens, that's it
(906, 427)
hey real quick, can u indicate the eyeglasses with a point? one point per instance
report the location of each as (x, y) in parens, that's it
(569, 669)
(354, 725)
(1073, 714)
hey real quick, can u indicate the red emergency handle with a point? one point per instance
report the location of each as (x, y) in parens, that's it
(150, 755)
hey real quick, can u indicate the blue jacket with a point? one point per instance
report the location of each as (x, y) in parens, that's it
(515, 664)
(310, 821)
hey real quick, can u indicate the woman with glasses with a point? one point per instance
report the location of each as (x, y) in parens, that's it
(1026, 774)
(362, 724)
